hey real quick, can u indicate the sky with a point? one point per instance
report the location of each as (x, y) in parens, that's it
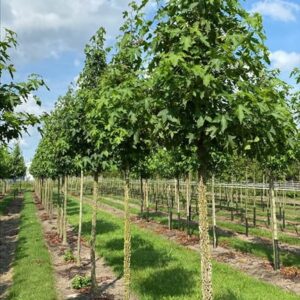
(52, 35)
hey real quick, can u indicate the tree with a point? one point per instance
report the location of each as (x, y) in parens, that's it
(17, 163)
(122, 111)
(12, 94)
(94, 152)
(4, 166)
(212, 90)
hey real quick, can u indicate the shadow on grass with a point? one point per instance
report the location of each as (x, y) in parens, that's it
(8, 230)
(143, 254)
(228, 295)
(173, 282)
(287, 258)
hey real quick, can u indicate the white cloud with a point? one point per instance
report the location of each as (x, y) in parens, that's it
(48, 28)
(281, 10)
(285, 61)
(31, 107)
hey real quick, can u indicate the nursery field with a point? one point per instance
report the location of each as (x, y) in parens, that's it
(169, 168)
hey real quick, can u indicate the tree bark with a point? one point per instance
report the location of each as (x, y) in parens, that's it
(276, 259)
(93, 235)
(146, 197)
(142, 195)
(177, 197)
(214, 223)
(127, 238)
(188, 201)
(205, 251)
(65, 211)
(80, 219)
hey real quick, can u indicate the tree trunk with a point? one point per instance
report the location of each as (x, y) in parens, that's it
(146, 197)
(65, 211)
(58, 208)
(205, 251)
(80, 219)
(127, 238)
(188, 201)
(142, 195)
(93, 235)
(214, 223)
(177, 197)
(274, 225)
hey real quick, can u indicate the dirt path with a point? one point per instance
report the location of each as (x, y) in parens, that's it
(110, 286)
(9, 229)
(287, 278)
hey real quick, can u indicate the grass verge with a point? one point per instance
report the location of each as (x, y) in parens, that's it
(161, 269)
(32, 273)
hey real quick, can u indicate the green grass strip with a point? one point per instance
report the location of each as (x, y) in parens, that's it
(162, 269)
(33, 274)
(260, 250)
(4, 203)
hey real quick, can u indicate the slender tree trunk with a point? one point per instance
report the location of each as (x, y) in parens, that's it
(142, 195)
(146, 197)
(93, 235)
(127, 238)
(205, 251)
(65, 211)
(80, 219)
(274, 225)
(177, 197)
(214, 223)
(188, 201)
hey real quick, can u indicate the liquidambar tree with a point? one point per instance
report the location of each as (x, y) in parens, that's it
(211, 88)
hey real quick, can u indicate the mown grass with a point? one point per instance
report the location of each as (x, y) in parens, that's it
(258, 249)
(161, 269)
(32, 273)
(4, 203)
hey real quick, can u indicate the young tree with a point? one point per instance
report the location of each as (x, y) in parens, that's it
(17, 163)
(94, 152)
(4, 166)
(123, 113)
(212, 89)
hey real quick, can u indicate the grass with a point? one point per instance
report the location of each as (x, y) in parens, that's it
(33, 273)
(4, 203)
(161, 269)
(264, 251)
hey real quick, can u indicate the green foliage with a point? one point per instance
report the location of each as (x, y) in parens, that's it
(69, 256)
(210, 83)
(12, 94)
(80, 282)
(5, 166)
(17, 163)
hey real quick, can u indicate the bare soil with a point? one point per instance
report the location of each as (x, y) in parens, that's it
(9, 229)
(110, 287)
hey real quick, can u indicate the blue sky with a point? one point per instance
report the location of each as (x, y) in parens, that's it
(52, 35)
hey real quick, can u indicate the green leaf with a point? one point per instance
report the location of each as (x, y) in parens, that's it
(200, 122)
(240, 113)
(223, 123)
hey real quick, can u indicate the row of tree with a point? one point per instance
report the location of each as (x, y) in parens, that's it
(13, 122)
(190, 79)
(12, 165)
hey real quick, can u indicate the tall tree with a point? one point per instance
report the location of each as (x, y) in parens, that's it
(123, 112)
(93, 153)
(212, 89)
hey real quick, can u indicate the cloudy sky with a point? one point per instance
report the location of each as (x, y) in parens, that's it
(52, 35)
